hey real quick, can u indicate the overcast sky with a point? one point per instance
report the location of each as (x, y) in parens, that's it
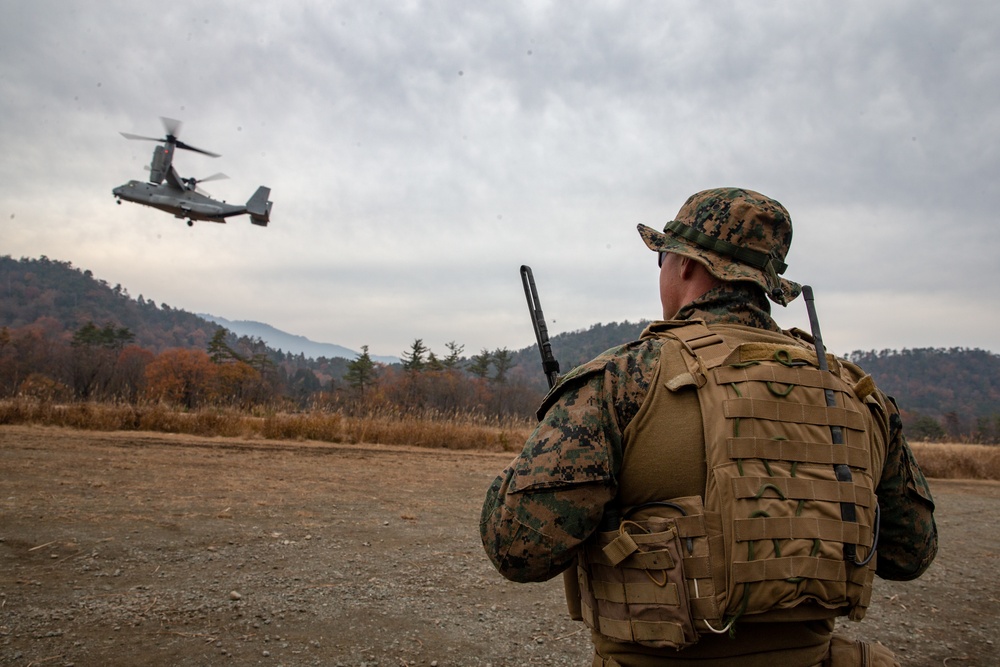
(419, 152)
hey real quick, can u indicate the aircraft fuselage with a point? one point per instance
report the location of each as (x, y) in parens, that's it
(181, 203)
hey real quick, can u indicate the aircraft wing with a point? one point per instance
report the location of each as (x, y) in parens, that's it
(174, 179)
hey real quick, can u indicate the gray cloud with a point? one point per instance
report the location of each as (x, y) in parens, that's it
(420, 152)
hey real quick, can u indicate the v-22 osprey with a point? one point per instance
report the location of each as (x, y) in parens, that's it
(168, 191)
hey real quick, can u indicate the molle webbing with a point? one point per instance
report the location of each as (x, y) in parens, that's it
(765, 537)
(771, 476)
(794, 488)
(797, 451)
(792, 412)
(706, 346)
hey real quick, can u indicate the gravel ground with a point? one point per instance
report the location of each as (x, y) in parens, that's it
(130, 549)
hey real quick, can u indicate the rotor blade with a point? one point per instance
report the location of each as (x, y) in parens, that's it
(181, 144)
(214, 177)
(136, 136)
(171, 125)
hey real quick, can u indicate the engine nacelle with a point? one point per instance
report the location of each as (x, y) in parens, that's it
(162, 158)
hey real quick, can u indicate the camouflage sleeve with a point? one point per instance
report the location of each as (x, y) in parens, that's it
(551, 498)
(908, 535)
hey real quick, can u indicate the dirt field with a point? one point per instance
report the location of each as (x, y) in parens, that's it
(132, 549)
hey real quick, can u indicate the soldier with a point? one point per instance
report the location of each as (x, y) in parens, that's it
(715, 491)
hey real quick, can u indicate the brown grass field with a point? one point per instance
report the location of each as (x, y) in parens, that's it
(427, 429)
(943, 460)
(459, 432)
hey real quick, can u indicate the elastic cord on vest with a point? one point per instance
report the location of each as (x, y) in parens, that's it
(662, 503)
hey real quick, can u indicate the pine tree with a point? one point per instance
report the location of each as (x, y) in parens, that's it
(480, 363)
(361, 372)
(454, 355)
(503, 359)
(433, 363)
(413, 359)
(219, 350)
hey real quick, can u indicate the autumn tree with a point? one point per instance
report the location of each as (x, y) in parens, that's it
(95, 355)
(32, 350)
(129, 377)
(44, 388)
(180, 376)
(8, 363)
(238, 384)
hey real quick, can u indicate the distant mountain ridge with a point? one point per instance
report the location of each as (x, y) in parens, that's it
(282, 340)
(61, 298)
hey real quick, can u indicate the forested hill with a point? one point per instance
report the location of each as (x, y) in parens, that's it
(957, 389)
(576, 347)
(60, 298)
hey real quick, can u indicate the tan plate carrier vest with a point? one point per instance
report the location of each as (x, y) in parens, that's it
(769, 535)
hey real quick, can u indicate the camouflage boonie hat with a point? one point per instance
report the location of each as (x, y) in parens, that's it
(736, 234)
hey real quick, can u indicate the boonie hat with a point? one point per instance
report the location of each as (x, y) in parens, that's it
(736, 234)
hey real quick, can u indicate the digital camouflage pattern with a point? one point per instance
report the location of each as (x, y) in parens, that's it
(755, 232)
(552, 497)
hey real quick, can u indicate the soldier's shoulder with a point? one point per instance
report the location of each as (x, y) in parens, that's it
(620, 356)
(616, 363)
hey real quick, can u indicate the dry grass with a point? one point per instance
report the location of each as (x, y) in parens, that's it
(958, 461)
(435, 430)
(447, 431)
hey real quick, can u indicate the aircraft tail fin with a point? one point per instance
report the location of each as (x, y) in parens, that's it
(259, 207)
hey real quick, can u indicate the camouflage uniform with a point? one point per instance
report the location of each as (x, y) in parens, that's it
(552, 497)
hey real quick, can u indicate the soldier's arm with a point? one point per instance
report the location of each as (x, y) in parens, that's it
(552, 496)
(908, 537)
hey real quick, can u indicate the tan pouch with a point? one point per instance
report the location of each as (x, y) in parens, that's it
(637, 579)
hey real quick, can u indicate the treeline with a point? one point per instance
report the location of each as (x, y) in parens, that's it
(573, 348)
(945, 394)
(948, 395)
(104, 364)
(69, 335)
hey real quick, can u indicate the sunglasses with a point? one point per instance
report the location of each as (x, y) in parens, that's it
(659, 258)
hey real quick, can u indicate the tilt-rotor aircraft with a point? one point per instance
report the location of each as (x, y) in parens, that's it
(167, 191)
